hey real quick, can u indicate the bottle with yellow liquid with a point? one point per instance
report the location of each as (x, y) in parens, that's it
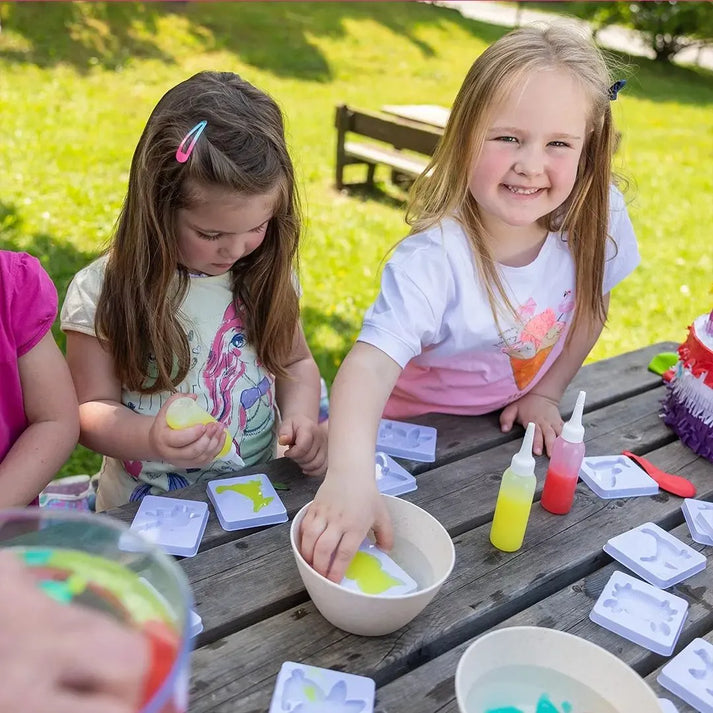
(517, 488)
(185, 412)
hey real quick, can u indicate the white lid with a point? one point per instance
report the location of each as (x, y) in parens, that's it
(522, 462)
(573, 430)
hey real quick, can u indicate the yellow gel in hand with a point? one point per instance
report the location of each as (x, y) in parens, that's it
(185, 412)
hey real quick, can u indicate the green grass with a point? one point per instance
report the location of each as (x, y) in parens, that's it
(78, 83)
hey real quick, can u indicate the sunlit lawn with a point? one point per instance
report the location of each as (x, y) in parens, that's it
(78, 81)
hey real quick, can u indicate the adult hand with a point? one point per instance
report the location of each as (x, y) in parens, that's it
(338, 520)
(190, 447)
(63, 658)
(307, 443)
(540, 410)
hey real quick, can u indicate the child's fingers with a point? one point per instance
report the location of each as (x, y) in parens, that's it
(286, 434)
(384, 530)
(344, 554)
(312, 526)
(301, 443)
(507, 417)
(305, 453)
(550, 434)
(537, 441)
(183, 437)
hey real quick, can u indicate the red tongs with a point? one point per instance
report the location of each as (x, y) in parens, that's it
(667, 481)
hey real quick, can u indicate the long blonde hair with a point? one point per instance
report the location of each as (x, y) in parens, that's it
(242, 149)
(442, 190)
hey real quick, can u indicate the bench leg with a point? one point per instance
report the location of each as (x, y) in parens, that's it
(371, 167)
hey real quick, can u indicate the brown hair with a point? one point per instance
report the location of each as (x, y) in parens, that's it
(584, 215)
(242, 149)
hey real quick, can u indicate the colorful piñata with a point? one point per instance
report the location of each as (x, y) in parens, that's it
(688, 408)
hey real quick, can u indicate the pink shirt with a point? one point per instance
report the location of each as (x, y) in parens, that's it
(28, 306)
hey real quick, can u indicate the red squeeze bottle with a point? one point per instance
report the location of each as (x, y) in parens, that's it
(563, 471)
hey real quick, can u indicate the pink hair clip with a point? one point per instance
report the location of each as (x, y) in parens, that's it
(183, 153)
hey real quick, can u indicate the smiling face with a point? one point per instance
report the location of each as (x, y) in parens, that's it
(221, 227)
(528, 164)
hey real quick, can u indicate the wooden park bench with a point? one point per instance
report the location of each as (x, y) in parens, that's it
(399, 144)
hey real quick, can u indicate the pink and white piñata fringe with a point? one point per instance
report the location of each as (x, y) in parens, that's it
(688, 410)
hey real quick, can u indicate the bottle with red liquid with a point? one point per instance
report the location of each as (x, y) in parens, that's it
(563, 471)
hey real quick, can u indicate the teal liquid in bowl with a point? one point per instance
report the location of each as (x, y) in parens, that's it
(533, 689)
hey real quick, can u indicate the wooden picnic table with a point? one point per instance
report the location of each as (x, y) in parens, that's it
(257, 614)
(431, 114)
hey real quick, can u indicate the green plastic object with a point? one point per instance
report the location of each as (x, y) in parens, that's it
(662, 362)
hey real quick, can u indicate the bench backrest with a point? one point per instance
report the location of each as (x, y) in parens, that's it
(401, 134)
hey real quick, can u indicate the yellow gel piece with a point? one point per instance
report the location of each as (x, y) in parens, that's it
(185, 412)
(252, 490)
(366, 571)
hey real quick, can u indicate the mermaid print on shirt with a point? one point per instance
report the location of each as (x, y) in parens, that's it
(529, 345)
(224, 369)
(233, 387)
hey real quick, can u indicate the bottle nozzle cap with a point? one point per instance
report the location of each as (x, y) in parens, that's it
(573, 431)
(522, 462)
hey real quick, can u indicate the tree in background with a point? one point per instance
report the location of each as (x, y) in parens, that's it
(670, 26)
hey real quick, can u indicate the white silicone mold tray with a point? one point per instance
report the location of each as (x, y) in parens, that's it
(407, 440)
(699, 518)
(641, 613)
(176, 526)
(689, 675)
(667, 706)
(391, 478)
(308, 689)
(616, 477)
(247, 501)
(374, 572)
(195, 624)
(655, 555)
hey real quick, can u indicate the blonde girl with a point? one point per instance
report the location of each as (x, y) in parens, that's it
(502, 288)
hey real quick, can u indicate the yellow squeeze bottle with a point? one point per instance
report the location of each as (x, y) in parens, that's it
(185, 412)
(517, 488)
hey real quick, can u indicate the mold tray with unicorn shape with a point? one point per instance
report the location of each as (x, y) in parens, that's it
(616, 477)
(655, 555)
(407, 440)
(689, 675)
(372, 571)
(177, 526)
(246, 501)
(308, 689)
(641, 613)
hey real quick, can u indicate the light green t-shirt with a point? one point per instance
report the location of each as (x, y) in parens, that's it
(231, 383)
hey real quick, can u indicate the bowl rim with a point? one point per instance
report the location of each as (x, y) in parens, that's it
(590, 646)
(361, 595)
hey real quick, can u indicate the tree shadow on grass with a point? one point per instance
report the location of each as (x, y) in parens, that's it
(277, 37)
(61, 260)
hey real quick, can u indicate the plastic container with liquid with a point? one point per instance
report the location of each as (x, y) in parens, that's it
(517, 488)
(563, 471)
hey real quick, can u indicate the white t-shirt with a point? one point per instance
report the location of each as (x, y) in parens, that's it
(433, 318)
(224, 371)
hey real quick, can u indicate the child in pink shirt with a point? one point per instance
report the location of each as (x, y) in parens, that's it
(39, 419)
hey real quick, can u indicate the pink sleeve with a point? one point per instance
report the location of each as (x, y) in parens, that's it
(34, 303)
